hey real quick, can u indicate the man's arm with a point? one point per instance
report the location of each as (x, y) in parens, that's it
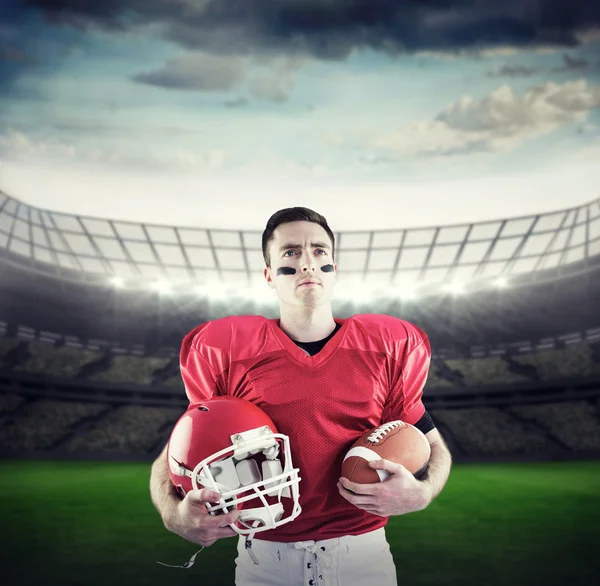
(162, 492)
(440, 462)
(188, 517)
(401, 492)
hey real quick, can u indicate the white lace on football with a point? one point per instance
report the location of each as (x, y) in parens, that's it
(382, 430)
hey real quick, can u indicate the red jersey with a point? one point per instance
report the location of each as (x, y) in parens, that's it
(372, 371)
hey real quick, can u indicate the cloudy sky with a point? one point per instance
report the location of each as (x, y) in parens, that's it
(378, 113)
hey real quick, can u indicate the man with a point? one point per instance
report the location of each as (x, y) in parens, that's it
(323, 381)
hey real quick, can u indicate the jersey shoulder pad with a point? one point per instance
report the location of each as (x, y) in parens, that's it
(390, 327)
(220, 333)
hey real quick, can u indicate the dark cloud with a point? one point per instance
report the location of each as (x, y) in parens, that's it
(236, 103)
(331, 29)
(513, 71)
(268, 88)
(28, 47)
(12, 61)
(197, 71)
(572, 64)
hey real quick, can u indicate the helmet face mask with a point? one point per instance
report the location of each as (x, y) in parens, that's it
(247, 470)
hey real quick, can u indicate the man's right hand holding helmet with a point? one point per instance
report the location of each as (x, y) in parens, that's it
(194, 523)
(188, 517)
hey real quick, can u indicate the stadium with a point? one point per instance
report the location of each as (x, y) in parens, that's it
(92, 314)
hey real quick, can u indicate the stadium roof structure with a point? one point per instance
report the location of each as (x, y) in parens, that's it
(85, 249)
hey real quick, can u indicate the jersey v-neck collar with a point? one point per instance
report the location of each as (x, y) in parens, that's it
(299, 355)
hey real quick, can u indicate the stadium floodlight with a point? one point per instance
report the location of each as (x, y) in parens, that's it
(260, 293)
(455, 287)
(501, 282)
(117, 282)
(210, 290)
(407, 291)
(162, 286)
(356, 291)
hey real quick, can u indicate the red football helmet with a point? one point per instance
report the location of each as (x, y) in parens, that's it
(232, 446)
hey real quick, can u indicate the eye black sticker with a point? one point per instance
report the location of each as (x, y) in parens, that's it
(327, 268)
(286, 271)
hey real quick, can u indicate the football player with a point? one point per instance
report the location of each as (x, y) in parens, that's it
(323, 381)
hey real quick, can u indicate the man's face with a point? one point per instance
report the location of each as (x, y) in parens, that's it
(299, 253)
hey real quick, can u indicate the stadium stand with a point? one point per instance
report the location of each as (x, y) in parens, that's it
(90, 369)
(576, 361)
(128, 430)
(490, 431)
(41, 424)
(485, 371)
(54, 426)
(41, 358)
(575, 424)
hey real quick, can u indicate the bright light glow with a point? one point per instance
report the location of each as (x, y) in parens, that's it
(220, 292)
(407, 291)
(117, 282)
(212, 290)
(354, 291)
(261, 293)
(456, 288)
(162, 286)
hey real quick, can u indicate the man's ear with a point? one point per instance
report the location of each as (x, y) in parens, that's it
(268, 277)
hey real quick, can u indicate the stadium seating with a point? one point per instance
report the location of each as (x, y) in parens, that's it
(131, 369)
(101, 426)
(61, 362)
(436, 381)
(574, 361)
(490, 431)
(491, 370)
(129, 429)
(44, 422)
(9, 402)
(571, 362)
(6, 345)
(97, 427)
(576, 423)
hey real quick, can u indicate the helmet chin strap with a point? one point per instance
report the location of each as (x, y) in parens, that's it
(248, 544)
(268, 515)
(187, 565)
(263, 518)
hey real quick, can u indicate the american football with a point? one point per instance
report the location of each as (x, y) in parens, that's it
(396, 441)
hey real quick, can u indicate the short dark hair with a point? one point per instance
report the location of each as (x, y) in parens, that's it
(293, 215)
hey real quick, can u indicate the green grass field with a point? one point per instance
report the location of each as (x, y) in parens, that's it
(92, 524)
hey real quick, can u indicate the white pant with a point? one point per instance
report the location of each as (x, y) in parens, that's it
(361, 560)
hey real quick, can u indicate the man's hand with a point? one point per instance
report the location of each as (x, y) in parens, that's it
(193, 522)
(398, 494)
